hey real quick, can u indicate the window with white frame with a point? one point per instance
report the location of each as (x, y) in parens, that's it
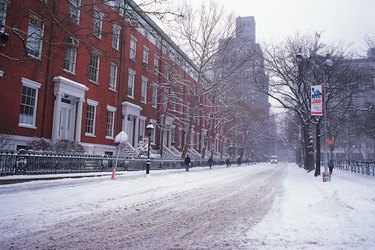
(141, 130)
(133, 48)
(109, 128)
(131, 81)
(29, 101)
(144, 90)
(154, 95)
(146, 52)
(173, 134)
(3, 14)
(180, 137)
(94, 67)
(91, 117)
(166, 71)
(71, 54)
(156, 65)
(98, 24)
(35, 37)
(74, 11)
(116, 37)
(113, 76)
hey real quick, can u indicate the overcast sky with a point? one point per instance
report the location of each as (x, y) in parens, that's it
(338, 21)
(347, 21)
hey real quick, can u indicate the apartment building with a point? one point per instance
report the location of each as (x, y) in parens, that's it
(85, 70)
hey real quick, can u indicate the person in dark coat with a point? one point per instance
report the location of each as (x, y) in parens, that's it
(210, 161)
(187, 162)
(227, 162)
(331, 165)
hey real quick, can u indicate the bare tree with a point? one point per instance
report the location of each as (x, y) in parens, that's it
(199, 33)
(291, 79)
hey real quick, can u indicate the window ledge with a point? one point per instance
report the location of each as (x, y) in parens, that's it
(90, 135)
(22, 125)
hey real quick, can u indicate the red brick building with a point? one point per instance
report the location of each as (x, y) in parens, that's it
(84, 72)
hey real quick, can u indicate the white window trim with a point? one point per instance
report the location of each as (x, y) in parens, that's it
(133, 72)
(95, 104)
(117, 46)
(36, 17)
(112, 109)
(35, 85)
(134, 58)
(101, 16)
(116, 77)
(155, 87)
(144, 80)
(98, 70)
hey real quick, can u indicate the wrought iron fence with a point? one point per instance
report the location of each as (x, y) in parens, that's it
(360, 167)
(31, 162)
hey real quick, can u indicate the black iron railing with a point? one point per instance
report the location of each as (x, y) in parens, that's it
(359, 167)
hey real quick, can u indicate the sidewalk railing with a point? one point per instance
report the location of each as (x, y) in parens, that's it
(360, 167)
(31, 162)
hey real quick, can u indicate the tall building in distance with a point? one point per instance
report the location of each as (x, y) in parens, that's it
(254, 124)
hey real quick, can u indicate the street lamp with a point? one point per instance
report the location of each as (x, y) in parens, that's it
(149, 129)
(328, 63)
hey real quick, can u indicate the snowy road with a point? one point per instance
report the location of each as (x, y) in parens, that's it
(200, 209)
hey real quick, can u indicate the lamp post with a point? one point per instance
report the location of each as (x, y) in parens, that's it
(149, 129)
(328, 63)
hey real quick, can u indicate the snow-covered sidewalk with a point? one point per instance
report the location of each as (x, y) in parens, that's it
(313, 214)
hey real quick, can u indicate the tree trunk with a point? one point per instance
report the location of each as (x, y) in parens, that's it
(318, 149)
(309, 148)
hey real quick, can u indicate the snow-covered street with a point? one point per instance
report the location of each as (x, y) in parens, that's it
(260, 206)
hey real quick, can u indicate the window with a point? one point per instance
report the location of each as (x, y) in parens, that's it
(113, 76)
(141, 129)
(116, 37)
(94, 67)
(29, 100)
(74, 11)
(156, 65)
(173, 134)
(3, 14)
(131, 80)
(146, 52)
(98, 23)
(35, 37)
(133, 48)
(109, 128)
(166, 71)
(144, 90)
(71, 55)
(154, 95)
(91, 117)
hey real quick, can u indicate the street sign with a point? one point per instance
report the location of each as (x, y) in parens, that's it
(330, 141)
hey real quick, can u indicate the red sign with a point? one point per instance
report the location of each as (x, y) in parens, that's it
(330, 141)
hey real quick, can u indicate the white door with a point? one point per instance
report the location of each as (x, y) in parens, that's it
(66, 124)
(130, 129)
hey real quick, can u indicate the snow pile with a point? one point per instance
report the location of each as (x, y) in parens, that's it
(313, 214)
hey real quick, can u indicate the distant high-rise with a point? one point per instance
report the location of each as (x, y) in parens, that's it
(245, 28)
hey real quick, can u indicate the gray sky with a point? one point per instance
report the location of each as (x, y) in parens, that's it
(346, 21)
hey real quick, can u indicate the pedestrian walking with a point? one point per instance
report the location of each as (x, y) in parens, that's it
(210, 161)
(331, 165)
(187, 162)
(228, 162)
